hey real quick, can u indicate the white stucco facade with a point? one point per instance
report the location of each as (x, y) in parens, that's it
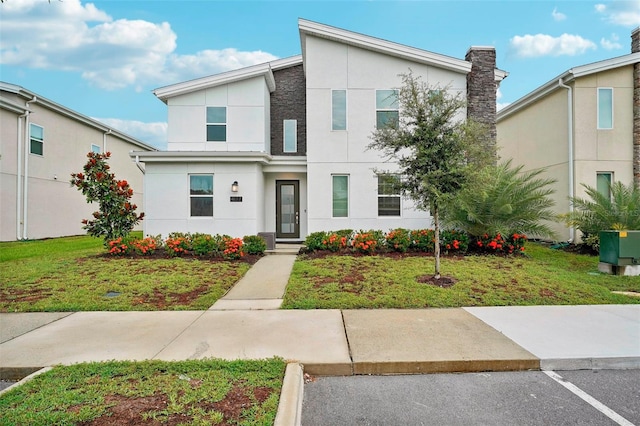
(252, 153)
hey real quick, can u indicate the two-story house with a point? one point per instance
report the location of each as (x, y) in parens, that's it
(41, 144)
(281, 147)
(583, 127)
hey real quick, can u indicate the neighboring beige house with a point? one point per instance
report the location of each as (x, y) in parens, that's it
(583, 127)
(41, 144)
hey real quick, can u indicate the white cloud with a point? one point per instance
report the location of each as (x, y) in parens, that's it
(500, 105)
(558, 16)
(154, 134)
(612, 43)
(624, 13)
(529, 46)
(111, 54)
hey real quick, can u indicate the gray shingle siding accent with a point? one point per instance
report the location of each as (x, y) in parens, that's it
(289, 102)
(635, 47)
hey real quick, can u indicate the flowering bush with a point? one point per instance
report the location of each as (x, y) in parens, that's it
(334, 242)
(423, 240)
(118, 247)
(499, 244)
(145, 246)
(398, 240)
(176, 246)
(116, 216)
(454, 241)
(365, 243)
(232, 248)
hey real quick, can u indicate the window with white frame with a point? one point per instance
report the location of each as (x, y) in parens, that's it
(603, 183)
(201, 195)
(338, 110)
(340, 197)
(95, 149)
(605, 108)
(387, 113)
(216, 124)
(290, 135)
(388, 195)
(36, 139)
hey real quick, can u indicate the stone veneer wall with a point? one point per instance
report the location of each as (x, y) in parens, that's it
(482, 88)
(635, 47)
(289, 102)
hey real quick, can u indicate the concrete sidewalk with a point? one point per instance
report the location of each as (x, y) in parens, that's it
(334, 342)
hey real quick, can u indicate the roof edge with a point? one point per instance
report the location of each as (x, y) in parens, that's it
(316, 29)
(47, 103)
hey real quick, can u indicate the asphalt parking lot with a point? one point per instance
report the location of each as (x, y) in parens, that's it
(584, 397)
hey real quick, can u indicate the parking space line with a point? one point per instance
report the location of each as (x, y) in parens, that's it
(589, 399)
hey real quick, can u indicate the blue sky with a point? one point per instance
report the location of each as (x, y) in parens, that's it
(104, 58)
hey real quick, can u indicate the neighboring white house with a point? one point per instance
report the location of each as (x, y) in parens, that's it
(41, 144)
(583, 127)
(281, 147)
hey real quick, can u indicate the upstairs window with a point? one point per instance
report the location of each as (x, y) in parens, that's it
(36, 138)
(388, 195)
(216, 124)
(95, 149)
(340, 195)
(338, 110)
(605, 108)
(603, 183)
(387, 108)
(201, 195)
(290, 136)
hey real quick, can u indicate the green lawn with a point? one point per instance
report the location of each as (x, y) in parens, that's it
(543, 277)
(187, 392)
(72, 274)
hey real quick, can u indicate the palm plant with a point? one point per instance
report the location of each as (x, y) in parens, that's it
(505, 200)
(600, 212)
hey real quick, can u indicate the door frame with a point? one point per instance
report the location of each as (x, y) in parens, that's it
(296, 201)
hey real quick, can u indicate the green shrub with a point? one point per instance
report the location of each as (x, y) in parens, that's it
(503, 200)
(314, 241)
(423, 240)
(398, 240)
(204, 245)
(621, 211)
(453, 241)
(254, 244)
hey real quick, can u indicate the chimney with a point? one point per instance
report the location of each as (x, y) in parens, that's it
(482, 88)
(635, 47)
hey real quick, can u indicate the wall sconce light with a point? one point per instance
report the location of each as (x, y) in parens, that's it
(234, 186)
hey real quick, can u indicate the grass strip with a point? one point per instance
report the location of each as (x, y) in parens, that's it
(543, 277)
(191, 392)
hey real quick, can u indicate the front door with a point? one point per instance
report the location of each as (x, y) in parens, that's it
(287, 209)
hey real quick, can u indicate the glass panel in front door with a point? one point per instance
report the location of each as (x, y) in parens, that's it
(288, 209)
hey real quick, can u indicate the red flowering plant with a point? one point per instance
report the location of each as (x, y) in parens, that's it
(177, 245)
(232, 248)
(453, 241)
(365, 242)
(116, 216)
(334, 242)
(398, 240)
(499, 244)
(423, 240)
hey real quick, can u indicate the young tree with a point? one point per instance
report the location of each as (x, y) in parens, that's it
(117, 216)
(433, 146)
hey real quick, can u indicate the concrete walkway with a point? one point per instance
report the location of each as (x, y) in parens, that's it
(262, 287)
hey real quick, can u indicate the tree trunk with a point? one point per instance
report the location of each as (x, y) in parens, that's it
(436, 252)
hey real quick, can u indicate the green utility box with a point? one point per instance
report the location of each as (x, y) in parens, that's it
(620, 248)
